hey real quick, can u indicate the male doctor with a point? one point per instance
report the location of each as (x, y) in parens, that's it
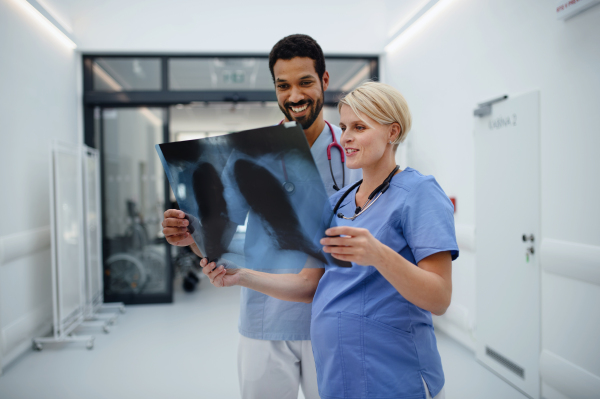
(275, 354)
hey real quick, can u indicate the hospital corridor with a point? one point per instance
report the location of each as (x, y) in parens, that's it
(270, 200)
(146, 357)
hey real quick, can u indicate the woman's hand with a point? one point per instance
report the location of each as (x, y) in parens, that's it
(353, 245)
(429, 286)
(220, 276)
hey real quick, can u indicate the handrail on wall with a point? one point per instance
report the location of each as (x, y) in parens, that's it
(18, 245)
(572, 260)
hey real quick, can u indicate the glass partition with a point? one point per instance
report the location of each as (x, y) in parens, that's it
(254, 74)
(219, 74)
(163, 80)
(346, 74)
(135, 259)
(126, 74)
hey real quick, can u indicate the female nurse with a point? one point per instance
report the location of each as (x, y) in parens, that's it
(371, 331)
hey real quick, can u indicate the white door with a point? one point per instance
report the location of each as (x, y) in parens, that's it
(507, 194)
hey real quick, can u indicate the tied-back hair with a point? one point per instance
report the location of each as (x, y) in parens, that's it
(382, 103)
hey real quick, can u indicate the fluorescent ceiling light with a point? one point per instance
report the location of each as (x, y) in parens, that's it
(63, 21)
(404, 22)
(417, 23)
(113, 84)
(356, 79)
(43, 18)
(155, 120)
(102, 74)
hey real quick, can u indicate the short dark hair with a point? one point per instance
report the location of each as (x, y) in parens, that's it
(297, 46)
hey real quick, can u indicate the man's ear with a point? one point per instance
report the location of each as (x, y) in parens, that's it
(325, 80)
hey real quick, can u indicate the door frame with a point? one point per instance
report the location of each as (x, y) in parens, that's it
(165, 98)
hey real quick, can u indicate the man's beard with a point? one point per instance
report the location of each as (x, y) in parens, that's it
(310, 117)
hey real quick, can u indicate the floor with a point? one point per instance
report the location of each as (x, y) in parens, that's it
(185, 350)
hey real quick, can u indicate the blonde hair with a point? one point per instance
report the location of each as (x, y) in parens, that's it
(382, 103)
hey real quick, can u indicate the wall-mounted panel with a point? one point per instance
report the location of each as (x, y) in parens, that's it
(507, 196)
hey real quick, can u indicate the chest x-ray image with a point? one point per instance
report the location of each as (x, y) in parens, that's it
(265, 179)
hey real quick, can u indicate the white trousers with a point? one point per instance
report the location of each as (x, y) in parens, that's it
(276, 369)
(440, 395)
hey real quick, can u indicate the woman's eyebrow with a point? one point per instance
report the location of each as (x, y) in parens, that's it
(361, 122)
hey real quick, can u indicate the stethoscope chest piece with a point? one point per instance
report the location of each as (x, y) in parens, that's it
(289, 187)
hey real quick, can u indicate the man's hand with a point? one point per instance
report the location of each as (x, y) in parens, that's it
(175, 228)
(220, 276)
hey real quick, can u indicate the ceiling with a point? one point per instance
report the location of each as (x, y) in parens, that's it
(340, 26)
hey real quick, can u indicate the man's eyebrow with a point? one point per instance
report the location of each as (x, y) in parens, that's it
(280, 80)
(307, 77)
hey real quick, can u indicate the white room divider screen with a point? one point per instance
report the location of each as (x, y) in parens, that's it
(68, 282)
(93, 236)
(92, 217)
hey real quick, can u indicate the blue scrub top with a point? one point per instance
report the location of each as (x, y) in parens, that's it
(265, 317)
(368, 340)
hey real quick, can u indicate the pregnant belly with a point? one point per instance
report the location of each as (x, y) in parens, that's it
(360, 357)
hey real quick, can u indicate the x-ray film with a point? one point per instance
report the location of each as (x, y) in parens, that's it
(254, 199)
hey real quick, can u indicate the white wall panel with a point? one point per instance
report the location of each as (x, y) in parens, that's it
(38, 103)
(570, 295)
(459, 321)
(567, 377)
(21, 244)
(25, 302)
(465, 237)
(18, 332)
(571, 320)
(551, 393)
(478, 50)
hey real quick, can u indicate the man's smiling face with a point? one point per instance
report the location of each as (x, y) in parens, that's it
(299, 90)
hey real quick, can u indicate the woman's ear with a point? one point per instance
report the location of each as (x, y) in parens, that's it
(395, 131)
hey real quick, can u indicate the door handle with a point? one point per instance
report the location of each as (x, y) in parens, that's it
(529, 251)
(528, 238)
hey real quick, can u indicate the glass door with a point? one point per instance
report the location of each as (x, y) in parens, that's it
(137, 267)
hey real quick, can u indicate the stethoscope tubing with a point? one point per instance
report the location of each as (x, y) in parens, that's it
(331, 145)
(334, 144)
(373, 197)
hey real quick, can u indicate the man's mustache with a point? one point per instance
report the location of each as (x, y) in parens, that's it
(298, 104)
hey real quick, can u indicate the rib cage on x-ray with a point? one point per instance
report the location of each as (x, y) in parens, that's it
(219, 181)
(268, 199)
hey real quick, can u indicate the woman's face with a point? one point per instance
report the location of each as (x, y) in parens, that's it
(365, 141)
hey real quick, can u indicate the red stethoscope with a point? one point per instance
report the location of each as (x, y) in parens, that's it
(289, 187)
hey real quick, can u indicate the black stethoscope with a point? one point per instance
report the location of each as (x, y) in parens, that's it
(289, 187)
(374, 196)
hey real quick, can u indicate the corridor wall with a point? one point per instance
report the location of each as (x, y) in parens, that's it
(478, 50)
(38, 103)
